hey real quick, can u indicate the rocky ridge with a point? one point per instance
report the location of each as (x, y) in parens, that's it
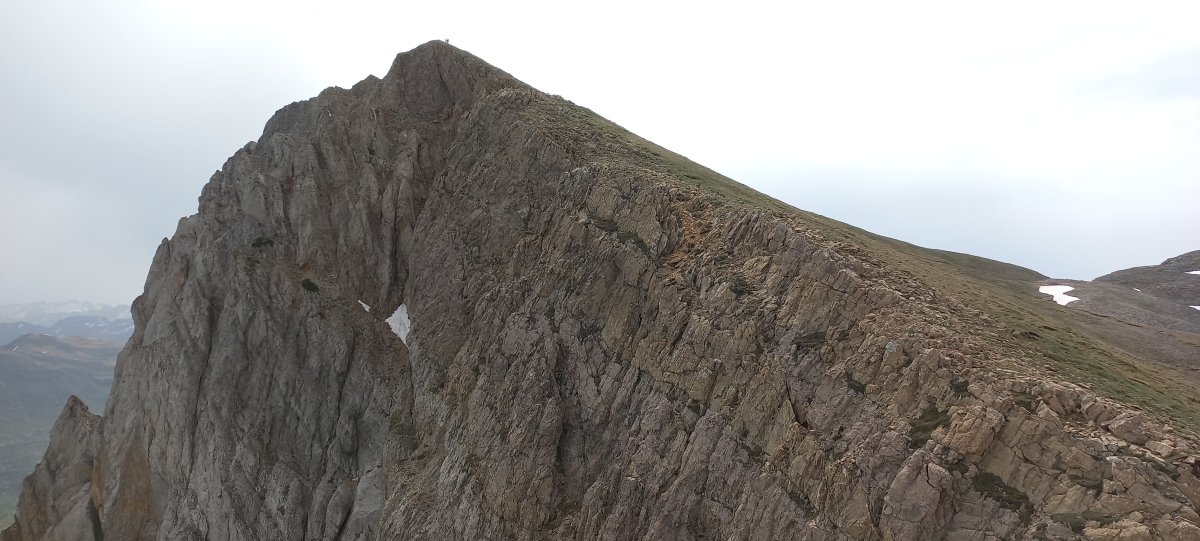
(607, 342)
(37, 373)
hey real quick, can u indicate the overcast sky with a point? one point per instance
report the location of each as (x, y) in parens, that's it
(1062, 136)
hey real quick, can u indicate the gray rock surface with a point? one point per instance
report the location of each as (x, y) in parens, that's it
(37, 374)
(56, 502)
(606, 342)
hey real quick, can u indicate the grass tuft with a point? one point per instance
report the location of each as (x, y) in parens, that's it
(923, 426)
(990, 485)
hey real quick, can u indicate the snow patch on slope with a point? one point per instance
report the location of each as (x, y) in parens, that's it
(400, 324)
(1059, 293)
(1193, 272)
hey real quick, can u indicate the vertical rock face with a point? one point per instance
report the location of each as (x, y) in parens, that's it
(605, 341)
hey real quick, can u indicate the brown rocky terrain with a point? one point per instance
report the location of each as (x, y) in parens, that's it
(607, 342)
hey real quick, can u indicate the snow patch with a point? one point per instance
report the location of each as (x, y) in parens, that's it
(1196, 307)
(1193, 272)
(1138, 290)
(400, 324)
(364, 305)
(1059, 293)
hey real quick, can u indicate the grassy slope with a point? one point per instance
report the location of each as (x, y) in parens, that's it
(1054, 338)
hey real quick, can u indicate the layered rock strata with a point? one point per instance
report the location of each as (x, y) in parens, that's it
(606, 342)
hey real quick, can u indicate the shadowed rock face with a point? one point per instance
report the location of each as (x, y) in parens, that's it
(606, 341)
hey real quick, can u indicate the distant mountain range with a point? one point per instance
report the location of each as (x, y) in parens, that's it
(83, 319)
(47, 313)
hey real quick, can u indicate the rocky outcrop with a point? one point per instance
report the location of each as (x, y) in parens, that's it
(606, 341)
(37, 372)
(56, 503)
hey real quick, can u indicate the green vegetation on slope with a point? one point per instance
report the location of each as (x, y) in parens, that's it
(1059, 338)
(1041, 333)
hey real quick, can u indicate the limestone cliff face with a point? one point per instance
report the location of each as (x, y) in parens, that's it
(607, 342)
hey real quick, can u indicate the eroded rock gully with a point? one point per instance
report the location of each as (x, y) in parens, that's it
(598, 351)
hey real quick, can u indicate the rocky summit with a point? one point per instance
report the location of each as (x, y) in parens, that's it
(444, 305)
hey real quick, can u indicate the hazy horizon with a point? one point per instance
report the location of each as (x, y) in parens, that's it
(1062, 138)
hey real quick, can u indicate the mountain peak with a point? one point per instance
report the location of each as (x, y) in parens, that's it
(437, 65)
(438, 49)
(606, 341)
(432, 82)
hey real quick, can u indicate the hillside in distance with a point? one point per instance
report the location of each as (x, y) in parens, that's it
(1147, 312)
(605, 341)
(99, 327)
(1175, 280)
